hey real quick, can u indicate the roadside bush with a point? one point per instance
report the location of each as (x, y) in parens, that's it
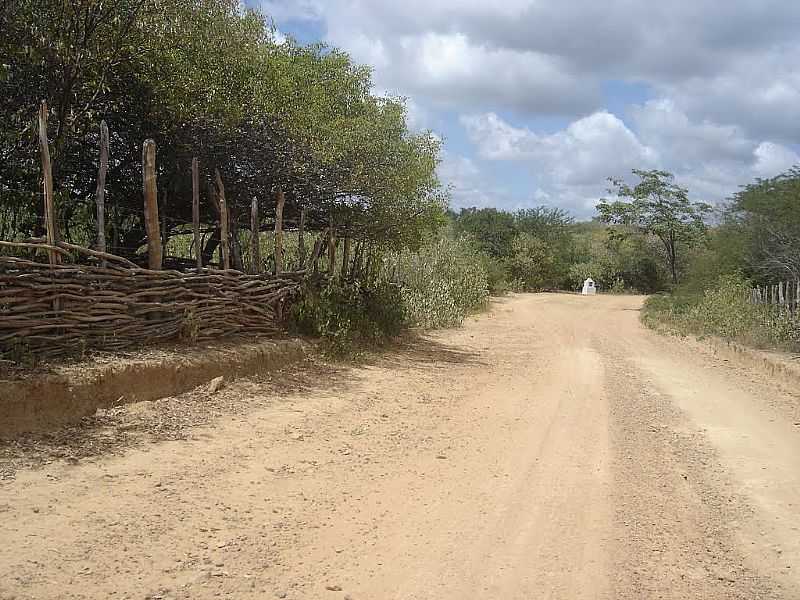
(535, 262)
(349, 315)
(497, 276)
(724, 310)
(440, 283)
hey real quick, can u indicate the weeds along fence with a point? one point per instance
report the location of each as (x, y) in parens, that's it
(782, 298)
(79, 299)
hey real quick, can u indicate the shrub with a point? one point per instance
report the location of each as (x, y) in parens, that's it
(497, 276)
(440, 283)
(724, 310)
(347, 315)
(535, 262)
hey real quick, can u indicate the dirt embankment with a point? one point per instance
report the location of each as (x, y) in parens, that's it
(67, 393)
(551, 448)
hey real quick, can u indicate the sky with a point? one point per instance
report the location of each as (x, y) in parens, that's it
(540, 101)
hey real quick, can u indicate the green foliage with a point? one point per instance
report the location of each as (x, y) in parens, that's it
(766, 217)
(441, 283)
(530, 248)
(204, 79)
(657, 206)
(492, 230)
(498, 278)
(535, 263)
(348, 315)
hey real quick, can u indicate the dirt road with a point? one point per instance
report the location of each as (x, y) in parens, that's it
(551, 448)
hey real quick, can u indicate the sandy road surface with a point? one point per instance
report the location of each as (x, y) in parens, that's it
(551, 448)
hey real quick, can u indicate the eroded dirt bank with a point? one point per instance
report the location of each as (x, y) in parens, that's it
(552, 448)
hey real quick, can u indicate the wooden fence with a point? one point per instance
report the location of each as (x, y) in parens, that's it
(48, 311)
(106, 302)
(783, 297)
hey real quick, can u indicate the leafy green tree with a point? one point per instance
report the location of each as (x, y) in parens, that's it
(492, 229)
(205, 78)
(657, 206)
(766, 214)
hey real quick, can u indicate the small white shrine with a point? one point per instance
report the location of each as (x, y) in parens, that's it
(589, 288)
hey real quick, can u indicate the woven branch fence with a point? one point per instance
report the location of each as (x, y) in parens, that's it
(107, 302)
(49, 311)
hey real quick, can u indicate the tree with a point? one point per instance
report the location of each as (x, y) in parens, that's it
(205, 79)
(493, 230)
(766, 213)
(657, 206)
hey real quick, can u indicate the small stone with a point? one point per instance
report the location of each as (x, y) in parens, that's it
(216, 384)
(280, 594)
(441, 456)
(333, 588)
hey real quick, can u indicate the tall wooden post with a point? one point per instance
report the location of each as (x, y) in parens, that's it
(255, 245)
(301, 240)
(345, 257)
(797, 296)
(315, 254)
(101, 189)
(331, 248)
(47, 185)
(164, 228)
(198, 248)
(280, 199)
(225, 243)
(154, 255)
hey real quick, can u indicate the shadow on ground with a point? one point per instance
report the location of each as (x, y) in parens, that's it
(115, 430)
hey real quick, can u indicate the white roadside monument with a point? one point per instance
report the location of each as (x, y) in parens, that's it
(589, 288)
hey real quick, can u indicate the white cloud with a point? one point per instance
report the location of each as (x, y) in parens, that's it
(497, 140)
(725, 76)
(773, 159)
(587, 152)
(467, 186)
(573, 164)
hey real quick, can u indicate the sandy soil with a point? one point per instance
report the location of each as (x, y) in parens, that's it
(551, 448)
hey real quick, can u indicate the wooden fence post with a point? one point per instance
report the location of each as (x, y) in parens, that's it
(198, 248)
(781, 298)
(225, 248)
(279, 202)
(301, 240)
(331, 248)
(345, 257)
(316, 252)
(154, 255)
(164, 229)
(47, 184)
(797, 296)
(255, 245)
(101, 189)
